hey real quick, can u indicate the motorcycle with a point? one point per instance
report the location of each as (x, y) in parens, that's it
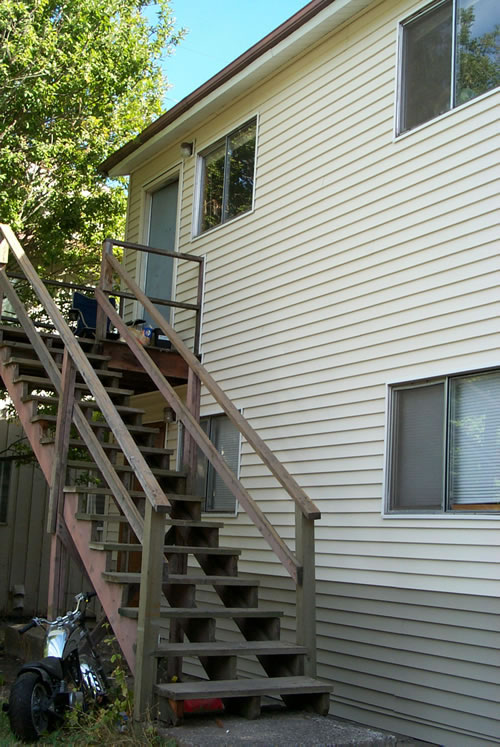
(70, 673)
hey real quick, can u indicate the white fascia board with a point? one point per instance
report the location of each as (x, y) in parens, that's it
(311, 32)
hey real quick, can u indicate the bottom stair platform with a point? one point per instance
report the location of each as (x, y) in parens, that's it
(243, 696)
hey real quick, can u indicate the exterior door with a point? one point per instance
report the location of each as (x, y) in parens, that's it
(162, 231)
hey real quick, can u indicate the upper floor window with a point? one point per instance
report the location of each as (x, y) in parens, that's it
(227, 181)
(444, 445)
(449, 55)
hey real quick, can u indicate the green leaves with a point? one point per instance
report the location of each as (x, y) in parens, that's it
(78, 78)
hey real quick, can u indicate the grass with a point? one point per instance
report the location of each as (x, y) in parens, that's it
(93, 731)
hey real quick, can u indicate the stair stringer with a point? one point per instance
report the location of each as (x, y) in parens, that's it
(110, 595)
(34, 431)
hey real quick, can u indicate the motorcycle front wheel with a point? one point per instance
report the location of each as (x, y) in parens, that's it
(93, 687)
(29, 704)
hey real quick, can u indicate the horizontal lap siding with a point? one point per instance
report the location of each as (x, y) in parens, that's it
(366, 261)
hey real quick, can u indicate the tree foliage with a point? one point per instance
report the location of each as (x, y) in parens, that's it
(478, 58)
(78, 78)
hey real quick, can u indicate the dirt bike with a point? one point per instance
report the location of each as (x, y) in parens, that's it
(69, 674)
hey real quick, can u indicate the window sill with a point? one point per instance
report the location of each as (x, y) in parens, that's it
(467, 515)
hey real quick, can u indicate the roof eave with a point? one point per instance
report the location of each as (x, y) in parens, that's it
(303, 29)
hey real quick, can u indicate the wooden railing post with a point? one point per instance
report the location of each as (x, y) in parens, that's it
(106, 284)
(149, 610)
(190, 449)
(306, 589)
(61, 445)
(58, 554)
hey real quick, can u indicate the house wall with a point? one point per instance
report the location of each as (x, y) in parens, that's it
(367, 260)
(24, 542)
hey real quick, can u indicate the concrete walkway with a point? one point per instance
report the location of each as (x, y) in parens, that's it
(280, 728)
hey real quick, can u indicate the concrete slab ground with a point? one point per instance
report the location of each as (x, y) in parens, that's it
(281, 728)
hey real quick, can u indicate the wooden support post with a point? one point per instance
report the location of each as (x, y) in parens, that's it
(149, 610)
(63, 429)
(57, 576)
(306, 589)
(105, 284)
(190, 448)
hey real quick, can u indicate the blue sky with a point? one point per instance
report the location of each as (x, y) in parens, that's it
(219, 31)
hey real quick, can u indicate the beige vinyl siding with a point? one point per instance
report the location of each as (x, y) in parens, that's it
(367, 260)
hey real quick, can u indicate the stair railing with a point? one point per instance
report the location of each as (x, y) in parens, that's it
(301, 565)
(150, 530)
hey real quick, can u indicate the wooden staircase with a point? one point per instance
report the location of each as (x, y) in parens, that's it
(151, 554)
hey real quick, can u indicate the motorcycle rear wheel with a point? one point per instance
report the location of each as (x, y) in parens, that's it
(29, 707)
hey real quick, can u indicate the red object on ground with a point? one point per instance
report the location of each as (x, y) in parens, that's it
(199, 705)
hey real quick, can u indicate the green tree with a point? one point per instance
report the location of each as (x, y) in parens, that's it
(78, 78)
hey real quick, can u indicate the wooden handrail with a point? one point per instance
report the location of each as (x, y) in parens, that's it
(92, 442)
(141, 469)
(294, 490)
(192, 426)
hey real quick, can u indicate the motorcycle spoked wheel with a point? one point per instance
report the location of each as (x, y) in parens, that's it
(29, 707)
(93, 687)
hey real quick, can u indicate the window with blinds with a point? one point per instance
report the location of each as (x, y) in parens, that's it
(444, 445)
(226, 439)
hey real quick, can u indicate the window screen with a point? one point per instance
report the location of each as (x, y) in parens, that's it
(418, 448)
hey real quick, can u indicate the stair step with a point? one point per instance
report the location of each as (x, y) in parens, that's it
(235, 648)
(145, 450)
(172, 497)
(46, 384)
(241, 688)
(97, 424)
(92, 467)
(17, 345)
(35, 363)
(99, 517)
(170, 549)
(10, 333)
(124, 577)
(110, 518)
(183, 613)
(84, 404)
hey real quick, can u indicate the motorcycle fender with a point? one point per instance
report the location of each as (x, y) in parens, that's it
(49, 669)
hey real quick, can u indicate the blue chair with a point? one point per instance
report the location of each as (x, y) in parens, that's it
(84, 312)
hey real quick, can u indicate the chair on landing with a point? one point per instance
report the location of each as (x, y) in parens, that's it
(84, 312)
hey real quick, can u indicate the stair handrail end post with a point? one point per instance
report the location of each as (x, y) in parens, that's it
(306, 589)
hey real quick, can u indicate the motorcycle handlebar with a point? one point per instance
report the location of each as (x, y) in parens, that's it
(27, 627)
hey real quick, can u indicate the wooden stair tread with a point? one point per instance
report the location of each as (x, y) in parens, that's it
(127, 577)
(112, 518)
(18, 345)
(140, 494)
(241, 688)
(84, 404)
(35, 363)
(169, 549)
(233, 648)
(149, 450)
(205, 612)
(45, 383)
(96, 424)
(157, 471)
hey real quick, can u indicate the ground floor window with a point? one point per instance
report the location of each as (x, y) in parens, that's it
(226, 438)
(444, 445)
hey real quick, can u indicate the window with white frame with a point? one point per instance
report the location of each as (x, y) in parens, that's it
(227, 177)
(444, 445)
(448, 55)
(226, 438)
